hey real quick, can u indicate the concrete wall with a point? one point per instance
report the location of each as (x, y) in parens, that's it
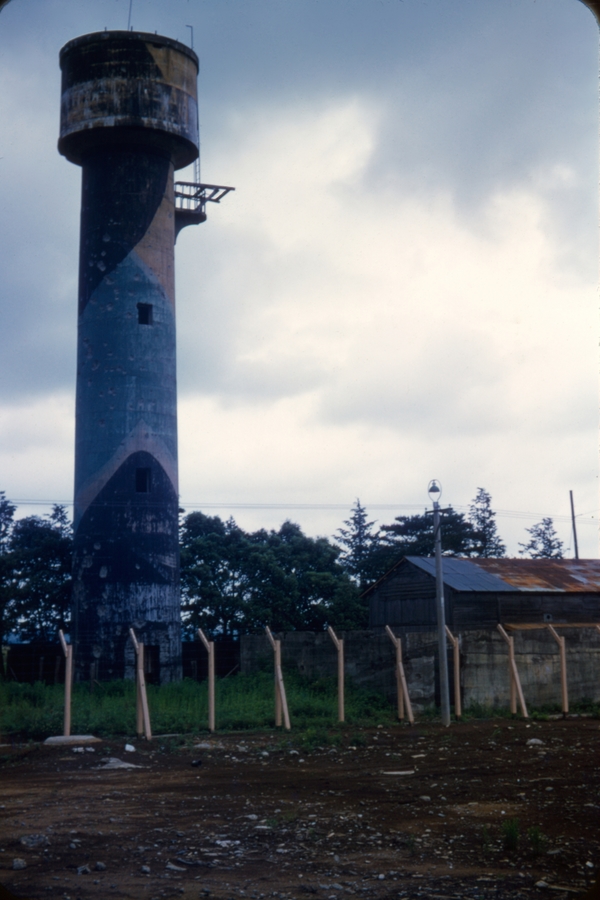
(370, 658)
(485, 678)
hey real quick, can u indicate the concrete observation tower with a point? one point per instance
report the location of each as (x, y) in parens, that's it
(129, 119)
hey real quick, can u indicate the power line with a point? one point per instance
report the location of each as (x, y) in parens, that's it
(323, 507)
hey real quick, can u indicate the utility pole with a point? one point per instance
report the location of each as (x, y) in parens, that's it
(435, 492)
(574, 525)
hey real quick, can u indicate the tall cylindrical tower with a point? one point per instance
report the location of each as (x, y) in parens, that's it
(129, 119)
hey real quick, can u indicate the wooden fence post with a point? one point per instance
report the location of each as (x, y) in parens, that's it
(276, 666)
(515, 681)
(142, 711)
(339, 643)
(456, 659)
(563, 668)
(210, 647)
(139, 718)
(280, 697)
(68, 651)
(401, 685)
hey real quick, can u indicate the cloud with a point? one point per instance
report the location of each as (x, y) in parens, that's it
(36, 449)
(402, 285)
(388, 309)
(366, 338)
(39, 209)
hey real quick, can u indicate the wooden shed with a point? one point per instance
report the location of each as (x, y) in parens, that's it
(481, 593)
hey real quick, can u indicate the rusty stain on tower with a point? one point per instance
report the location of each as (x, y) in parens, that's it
(129, 119)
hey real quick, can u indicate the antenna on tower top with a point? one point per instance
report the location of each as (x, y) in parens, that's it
(129, 17)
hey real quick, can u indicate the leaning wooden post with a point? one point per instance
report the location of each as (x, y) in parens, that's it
(280, 697)
(456, 656)
(277, 664)
(399, 667)
(515, 681)
(143, 713)
(68, 651)
(563, 668)
(276, 661)
(210, 647)
(139, 724)
(339, 643)
(401, 685)
(511, 676)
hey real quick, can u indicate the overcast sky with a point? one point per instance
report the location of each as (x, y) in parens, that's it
(402, 287)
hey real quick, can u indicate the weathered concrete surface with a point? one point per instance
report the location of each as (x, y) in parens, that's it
(485, 677)
(370, 661)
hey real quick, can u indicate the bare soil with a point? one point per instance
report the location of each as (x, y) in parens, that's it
(390, 812)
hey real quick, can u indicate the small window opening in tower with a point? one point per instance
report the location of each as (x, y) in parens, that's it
(144, 313)
(142, 481)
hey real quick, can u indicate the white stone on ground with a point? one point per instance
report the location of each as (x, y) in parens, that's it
(71, 739)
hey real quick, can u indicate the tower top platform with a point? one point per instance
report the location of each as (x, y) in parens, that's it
(128, 89)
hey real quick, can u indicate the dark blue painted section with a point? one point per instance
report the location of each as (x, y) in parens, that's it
(119, 199)
(108, 59)
(126, 569)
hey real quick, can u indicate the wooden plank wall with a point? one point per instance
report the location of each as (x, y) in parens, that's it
(531, 607)
(406, 601)
(406, 598)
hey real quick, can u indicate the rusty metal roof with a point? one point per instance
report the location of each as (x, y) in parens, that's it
(563, 575)
(546, 575)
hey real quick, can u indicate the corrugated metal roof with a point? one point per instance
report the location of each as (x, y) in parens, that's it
(562, 575)
(546, 575)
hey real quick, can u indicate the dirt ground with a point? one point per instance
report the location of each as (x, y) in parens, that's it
(389, 812)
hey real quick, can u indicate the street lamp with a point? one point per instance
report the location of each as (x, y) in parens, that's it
(435, 492)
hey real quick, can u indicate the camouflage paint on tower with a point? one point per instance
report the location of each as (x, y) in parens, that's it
(129, 119)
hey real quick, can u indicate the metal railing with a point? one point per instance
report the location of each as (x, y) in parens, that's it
(193, 197)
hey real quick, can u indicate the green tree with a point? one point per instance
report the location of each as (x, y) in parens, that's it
(483, 519)
(7, 512)
(212, 581)
(543, 542)
(359, 545)
(413, 536)
(235, 582)
(321, 592)
(40, 555)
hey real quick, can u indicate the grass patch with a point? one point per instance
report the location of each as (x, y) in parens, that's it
(537, 840)
(480, 711)
(510, 834)
(35, 711)
(486, 839)
(243, 702)
(586, 707)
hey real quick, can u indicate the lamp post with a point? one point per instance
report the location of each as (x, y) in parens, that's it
(435, 492)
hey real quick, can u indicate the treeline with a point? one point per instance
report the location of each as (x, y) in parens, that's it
(234, 581)
(35, 572)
